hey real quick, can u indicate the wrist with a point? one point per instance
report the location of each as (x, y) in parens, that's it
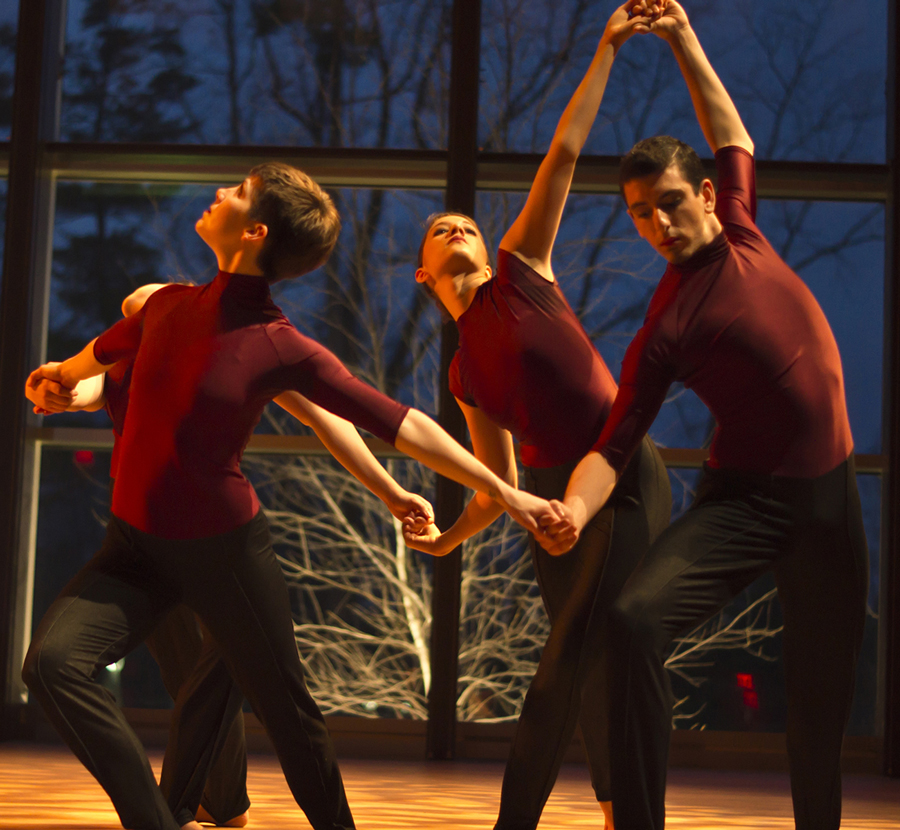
(679, 36)
(578, 510)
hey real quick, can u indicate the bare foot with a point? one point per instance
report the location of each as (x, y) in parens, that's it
(237, 821)
(606, 806)
(192, 825)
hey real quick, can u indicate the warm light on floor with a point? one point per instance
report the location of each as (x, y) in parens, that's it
(45, 788)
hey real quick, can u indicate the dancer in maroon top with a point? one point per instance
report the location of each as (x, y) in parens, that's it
(206, 360)
(186, 654)
(731, 321)
(525, 368)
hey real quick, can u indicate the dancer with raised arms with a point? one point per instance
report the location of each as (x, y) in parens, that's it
(526, 368)
(731, 321)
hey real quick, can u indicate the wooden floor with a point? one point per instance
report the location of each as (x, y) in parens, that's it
(45, 788)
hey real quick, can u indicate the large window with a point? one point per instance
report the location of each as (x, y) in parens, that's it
(344, 74)
(359, 94)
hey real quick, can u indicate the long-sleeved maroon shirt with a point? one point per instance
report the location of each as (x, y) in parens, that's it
(207, 359)
(739, 327)
(527, 363)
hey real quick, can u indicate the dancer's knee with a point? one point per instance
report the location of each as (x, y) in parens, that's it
(631, 625)
(45, 666)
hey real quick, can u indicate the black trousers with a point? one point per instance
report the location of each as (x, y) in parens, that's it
(234, 583)
(810, 532)
(185, 650)
(578, 589)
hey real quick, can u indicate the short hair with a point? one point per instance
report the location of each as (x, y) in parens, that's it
(303, 223)
(652, 156)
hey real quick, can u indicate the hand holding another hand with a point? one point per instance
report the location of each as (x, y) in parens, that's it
(425, 538)
(45, 390)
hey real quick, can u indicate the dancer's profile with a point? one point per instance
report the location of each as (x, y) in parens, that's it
(187, 655)
(186, 525)
(526, 368)
(730, 320)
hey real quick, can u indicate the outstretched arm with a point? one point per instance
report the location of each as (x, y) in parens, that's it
(50, 397)
(68, 373)
(534, 231)
(493, 447)
(716, 112)
(424, 440)
(343, 441)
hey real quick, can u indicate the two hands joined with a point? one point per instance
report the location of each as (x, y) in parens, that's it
(45, 389)
(664, 18)
(552, 523)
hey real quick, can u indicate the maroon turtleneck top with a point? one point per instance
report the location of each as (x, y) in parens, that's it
(527, 363)
(207, 359)
(739, 327)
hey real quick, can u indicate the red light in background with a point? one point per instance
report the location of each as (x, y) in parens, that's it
(84, 457)
(751, 699)
(745, 681)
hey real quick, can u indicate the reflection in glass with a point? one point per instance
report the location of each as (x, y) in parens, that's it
(341, 74)
(808, 85)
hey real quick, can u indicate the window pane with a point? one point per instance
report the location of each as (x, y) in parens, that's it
(9, 15)
(345, 74)
(809, 82)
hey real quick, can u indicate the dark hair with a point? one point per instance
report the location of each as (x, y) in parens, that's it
(303, 223)
(652, 156)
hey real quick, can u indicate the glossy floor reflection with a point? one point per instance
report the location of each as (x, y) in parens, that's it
(45, 788)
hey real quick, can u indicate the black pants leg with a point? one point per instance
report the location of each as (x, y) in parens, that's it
(235, 585)
(100, 616)
(188, 656)
(739, 527)
(577, 590)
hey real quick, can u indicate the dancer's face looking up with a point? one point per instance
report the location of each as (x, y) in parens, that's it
(226, 225)
(674, 218)
(452, 245)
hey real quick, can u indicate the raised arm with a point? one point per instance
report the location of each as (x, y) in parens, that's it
(492, 446)
(716, 112)
(343, 441)
(532, 234)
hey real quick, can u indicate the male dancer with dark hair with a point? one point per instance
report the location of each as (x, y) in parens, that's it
(731, 321)
(186, 524)
(186, 654)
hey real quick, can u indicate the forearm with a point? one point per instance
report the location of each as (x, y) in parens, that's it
(81, 367)
(578, 117)
(421, 438)
(88, 395)
(719, 119)
(479, 513)
(590, 486)
(343, 441)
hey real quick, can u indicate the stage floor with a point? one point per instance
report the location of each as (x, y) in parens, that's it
(45, 788)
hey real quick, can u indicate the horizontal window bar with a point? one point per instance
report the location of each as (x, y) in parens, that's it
(80, 438)
(418, 169)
